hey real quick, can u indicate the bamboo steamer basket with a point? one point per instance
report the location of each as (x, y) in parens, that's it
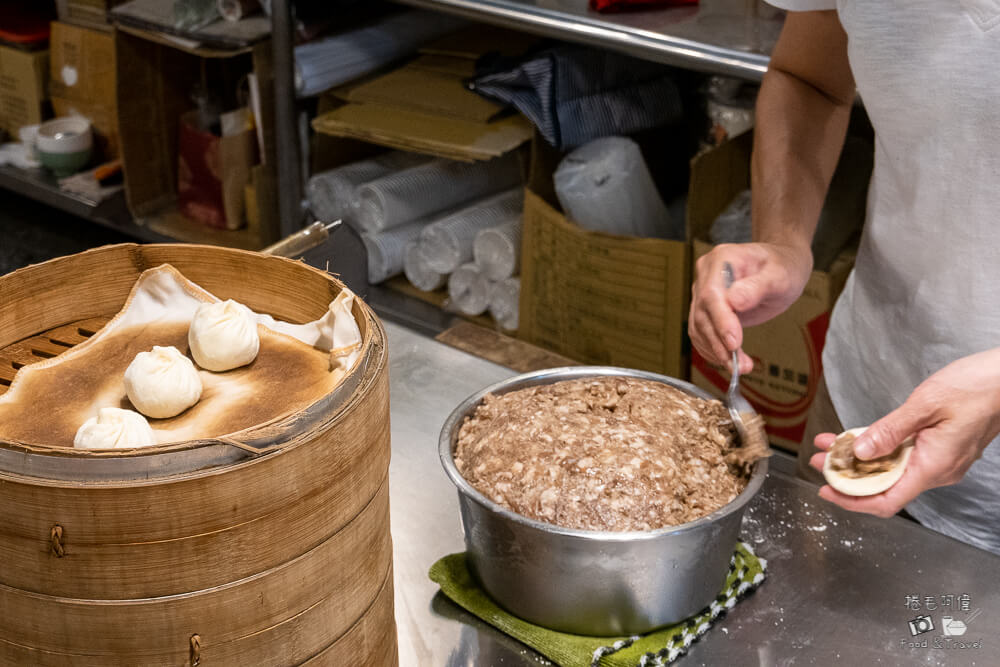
(270, 547)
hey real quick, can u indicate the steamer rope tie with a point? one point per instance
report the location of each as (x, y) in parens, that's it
(55, 541)
(195, 650)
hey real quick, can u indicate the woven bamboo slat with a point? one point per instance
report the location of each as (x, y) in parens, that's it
(277, 559)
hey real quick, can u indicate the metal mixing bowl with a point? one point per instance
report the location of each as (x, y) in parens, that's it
(592, 582)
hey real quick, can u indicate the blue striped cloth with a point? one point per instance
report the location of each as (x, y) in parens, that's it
(574, 94)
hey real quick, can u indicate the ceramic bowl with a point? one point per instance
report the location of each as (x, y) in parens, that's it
(64, 145)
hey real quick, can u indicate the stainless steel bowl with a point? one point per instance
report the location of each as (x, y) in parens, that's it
(592, 582)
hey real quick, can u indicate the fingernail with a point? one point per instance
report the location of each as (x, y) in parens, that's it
(864, 450)
(730, 341)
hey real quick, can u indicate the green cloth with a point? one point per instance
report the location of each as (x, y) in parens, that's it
(661, 647)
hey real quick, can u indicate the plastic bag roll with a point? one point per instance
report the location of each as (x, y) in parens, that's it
(469, 290)
(386, 251)
(417, 272)
(448, 242)
(331, 193)
(605, 186)
(326, 63)
(497, 250)
(505, 302)
(428, 188)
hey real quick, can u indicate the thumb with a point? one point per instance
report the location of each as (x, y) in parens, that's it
(747, 293)
(884, 436)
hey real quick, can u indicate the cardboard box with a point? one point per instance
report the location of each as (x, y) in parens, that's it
(23, 88)
(156, 78)
(787, 351)
(83, 79)
(599, 298)
(87, 13)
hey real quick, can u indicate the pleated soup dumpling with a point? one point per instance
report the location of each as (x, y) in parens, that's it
(114, 428)
(223, 336)
(162, 383)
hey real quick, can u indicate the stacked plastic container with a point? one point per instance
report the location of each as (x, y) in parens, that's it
(394, 197)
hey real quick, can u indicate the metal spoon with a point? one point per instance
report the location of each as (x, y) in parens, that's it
(749, 424)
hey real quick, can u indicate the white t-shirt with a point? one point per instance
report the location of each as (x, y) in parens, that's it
(926, 287)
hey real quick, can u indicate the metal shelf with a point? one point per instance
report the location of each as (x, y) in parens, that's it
(731, 37)
(111, 212)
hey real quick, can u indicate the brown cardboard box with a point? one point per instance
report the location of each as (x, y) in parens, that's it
(87, 13)
(787, 350)
(599, 298)
(156, 78)
(82, 81)
(23, 87)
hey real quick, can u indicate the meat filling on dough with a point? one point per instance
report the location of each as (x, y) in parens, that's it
(611, 453)
(842, 459)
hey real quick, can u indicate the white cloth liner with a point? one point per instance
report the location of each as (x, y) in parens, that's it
(163, 296)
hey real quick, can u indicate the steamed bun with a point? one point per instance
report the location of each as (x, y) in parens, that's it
(162, 383)
(223, 336)
(114, 428)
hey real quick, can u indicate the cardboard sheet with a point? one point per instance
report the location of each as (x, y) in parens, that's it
(426, 133)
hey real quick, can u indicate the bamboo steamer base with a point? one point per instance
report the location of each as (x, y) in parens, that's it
(317, 595)
(371, 641)
(281, 558)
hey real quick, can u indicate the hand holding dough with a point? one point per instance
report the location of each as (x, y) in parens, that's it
(855, 477)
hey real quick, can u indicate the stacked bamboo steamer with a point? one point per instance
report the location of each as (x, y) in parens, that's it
(270, 551)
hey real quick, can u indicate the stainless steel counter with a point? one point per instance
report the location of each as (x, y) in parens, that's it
(841, 587)
(732, 37)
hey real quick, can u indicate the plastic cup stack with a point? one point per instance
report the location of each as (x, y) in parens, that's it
(497, 250)
(605, 186)
(504, 303)
(416, 269)
(469, 290)
(386, 251)
(331, 193)
(448, 242)
(428, 188)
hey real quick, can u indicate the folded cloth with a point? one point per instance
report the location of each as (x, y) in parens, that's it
(573, 94)
(661, 647)
(607, 6)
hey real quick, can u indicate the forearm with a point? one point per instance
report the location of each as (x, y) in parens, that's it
(797, 142)
(802, 114)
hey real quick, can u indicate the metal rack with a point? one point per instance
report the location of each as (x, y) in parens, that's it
(112, 212)
(731, 37)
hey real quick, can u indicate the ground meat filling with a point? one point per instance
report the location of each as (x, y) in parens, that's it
(842, 459)
(611, 454)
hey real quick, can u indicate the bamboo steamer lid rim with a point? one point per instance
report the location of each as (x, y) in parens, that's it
(197, 455)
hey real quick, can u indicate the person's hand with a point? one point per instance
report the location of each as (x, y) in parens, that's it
(768, 278)
(953, 414)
